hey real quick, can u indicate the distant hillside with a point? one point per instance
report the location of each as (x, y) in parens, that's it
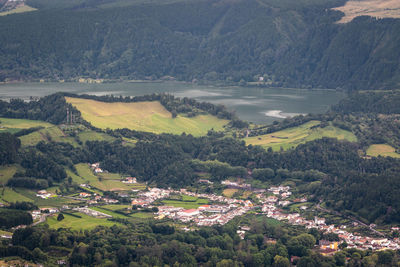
(288, 43)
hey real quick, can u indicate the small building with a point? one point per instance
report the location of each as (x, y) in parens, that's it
(189, 213)
(130, 180)
(84, 194)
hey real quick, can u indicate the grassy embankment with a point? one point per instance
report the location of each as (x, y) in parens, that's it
(292, 137)
(383, 150)
(148, 116)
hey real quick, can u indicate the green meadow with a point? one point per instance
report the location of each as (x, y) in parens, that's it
(10, 195)
(75, 223)
(104, 181)
(292, 137)
(52, 133)
(187, 202)
(149, 116)
(6, 172)
(94, 136)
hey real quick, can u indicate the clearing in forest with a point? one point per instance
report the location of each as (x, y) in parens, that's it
(292, 137)
(383, 150)
(372, 8)
(147, 116)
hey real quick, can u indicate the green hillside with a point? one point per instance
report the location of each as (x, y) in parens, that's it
(292, 137)
(289, 43)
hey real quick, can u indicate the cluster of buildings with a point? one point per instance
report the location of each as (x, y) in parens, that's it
(44, 194)
(147, 197)
(271, 209)
(96, 167)
(207, 215)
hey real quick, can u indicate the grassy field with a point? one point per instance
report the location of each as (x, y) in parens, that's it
(84, 223)
(382, 150)
(40, 202)
(148, 116)
(11, 195)
(107, 181)
(7, 124)
(6, 234)
(229, 192)
(20, 9)
(6, 172)
(52, 133)
(142, 215)
(94, 136)
(114, 214)
(292, 137)
(186, 204)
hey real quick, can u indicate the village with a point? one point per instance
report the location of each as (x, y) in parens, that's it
(221, 210)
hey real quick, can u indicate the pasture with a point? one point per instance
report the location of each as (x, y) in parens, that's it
(229, 192)
(186, 203)
(292, 137)
(52, 133)
(383, 150)
(6, 172)
(7, 124)
(75, 223)
(103, 181)
(10, 195)
(94, 136)
(149, 116)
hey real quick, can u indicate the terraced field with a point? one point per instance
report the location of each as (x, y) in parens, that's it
(148, 116)
(292, 137)
(383, 150)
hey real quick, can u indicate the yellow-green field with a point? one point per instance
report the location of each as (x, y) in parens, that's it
(292, 137)
(20, 9)
(84, 223)
(382, 150)
(229, 192)
(149, 116)
(6, 172)
(7, 123)
(107, 181)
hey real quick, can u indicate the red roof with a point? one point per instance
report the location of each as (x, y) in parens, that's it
(190, 210)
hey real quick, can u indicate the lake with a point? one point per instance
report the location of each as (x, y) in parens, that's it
(259, 105)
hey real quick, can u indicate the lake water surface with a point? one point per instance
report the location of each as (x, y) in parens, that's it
(259, 105)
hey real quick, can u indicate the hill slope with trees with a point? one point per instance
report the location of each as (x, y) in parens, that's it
(297, 45)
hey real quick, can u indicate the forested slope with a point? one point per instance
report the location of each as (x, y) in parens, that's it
(291, 44)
